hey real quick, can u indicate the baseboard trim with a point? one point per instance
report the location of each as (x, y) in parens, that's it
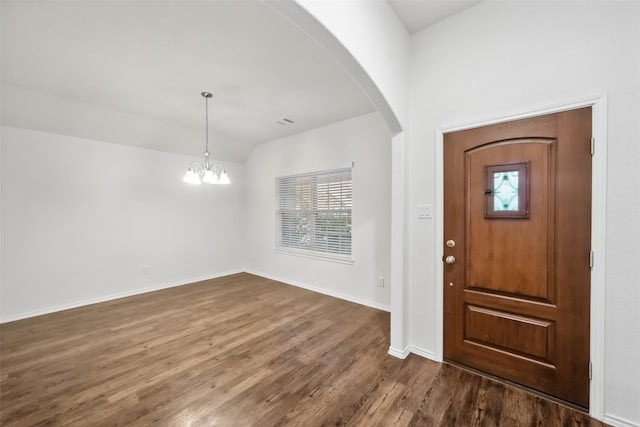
(618, 421)
(427, 354)
(76, 304)
(345, 297)
(400, 354)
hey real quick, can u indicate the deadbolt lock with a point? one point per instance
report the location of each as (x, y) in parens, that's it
(451, 243)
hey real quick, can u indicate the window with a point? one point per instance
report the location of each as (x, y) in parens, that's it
(314, 214)
(507, 191)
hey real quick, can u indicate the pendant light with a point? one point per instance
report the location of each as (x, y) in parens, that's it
(209, 174)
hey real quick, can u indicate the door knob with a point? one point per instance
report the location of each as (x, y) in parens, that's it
(450, 259)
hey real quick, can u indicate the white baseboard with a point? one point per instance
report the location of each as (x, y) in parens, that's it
(427, 354)
(619, 422)
(105, 298)
(400, 354)
(345, 297)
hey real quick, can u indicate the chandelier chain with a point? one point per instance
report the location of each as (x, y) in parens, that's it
(206, 121)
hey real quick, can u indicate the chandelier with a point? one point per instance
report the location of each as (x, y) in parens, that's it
(209, 174)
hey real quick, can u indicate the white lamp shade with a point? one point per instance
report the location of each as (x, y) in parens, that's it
(191, 177)
(210, 177)
(224, 178)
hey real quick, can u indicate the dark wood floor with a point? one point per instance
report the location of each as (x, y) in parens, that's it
(241, 350)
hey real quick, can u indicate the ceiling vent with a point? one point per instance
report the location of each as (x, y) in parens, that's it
(285, 122)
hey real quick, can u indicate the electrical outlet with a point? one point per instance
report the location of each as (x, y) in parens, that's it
(145, 269)
(380, 281)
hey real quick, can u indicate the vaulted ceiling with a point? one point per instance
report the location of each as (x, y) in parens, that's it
(132, 72)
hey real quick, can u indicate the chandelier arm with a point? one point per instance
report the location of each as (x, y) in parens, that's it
(221, 173)
(197, 167)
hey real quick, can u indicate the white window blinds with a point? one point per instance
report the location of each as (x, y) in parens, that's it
(314, 212)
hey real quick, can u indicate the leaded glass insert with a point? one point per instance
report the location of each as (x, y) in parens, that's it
(505, 191)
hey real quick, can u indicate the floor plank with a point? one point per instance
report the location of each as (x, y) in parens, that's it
(239, 351)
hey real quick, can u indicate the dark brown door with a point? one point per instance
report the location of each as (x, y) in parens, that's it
(517, 230)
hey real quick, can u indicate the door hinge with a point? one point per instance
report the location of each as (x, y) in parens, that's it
(593, 145)
(590, 370)
(591, 258)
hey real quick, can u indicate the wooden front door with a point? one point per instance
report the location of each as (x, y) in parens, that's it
(517, 230)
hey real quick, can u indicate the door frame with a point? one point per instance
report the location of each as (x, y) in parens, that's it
(598, 230)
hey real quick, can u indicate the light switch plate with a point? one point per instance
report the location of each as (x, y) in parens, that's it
(425, 211)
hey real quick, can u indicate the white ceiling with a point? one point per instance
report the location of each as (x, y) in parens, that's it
(419, 14)
(132, 72)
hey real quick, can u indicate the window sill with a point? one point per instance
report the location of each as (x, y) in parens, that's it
(340, 259)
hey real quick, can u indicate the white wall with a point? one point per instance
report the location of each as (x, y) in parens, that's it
(364, 140)
(80, 219)
(500, 58)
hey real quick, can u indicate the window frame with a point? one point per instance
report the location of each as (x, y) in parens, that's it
(308, 197)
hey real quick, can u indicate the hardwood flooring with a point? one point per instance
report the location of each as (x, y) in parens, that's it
(241, 351)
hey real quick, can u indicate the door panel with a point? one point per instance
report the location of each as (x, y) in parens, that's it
(492, 244)
(518, 334)
(517, 205)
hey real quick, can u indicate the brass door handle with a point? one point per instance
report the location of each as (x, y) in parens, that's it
(450, 259)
